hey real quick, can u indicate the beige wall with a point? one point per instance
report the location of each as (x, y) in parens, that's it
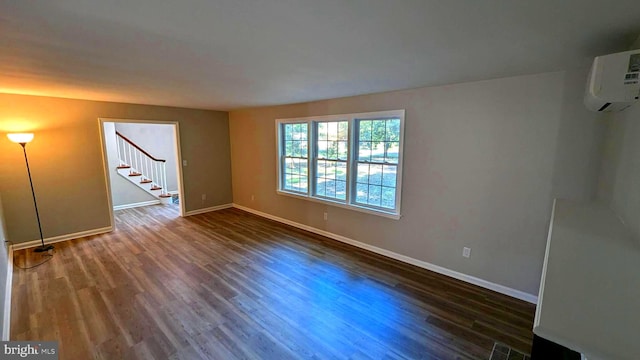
(620, 175)
(67, 166)
(481, 168)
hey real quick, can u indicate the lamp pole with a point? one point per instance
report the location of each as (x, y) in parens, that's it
(44, 247)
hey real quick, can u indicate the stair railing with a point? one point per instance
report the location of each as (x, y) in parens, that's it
(143, 164)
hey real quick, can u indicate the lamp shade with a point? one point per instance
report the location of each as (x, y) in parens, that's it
(20, 138)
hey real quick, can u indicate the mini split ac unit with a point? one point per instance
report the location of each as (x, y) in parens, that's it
(613, 83)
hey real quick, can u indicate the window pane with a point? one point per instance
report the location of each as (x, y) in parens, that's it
(288, 130)
(363, 173)
(331, 188)
(364, 151)
(320, 164)
(393, 130)
(322, 131)
(341, 171)
(302, 166)
(343, 151)
(378, 131)
(332, 150)
(322, 149)
(388, 197)
(288, 148)
(332, 131)
(389, 175)
(374, 195)
(365, 130)
(341, 190)
(393, 148)
(377, 152)
(287, 182)
(362, 193)
(331, 170)
(343, 130)
(320, 187)
(302, 132)
(375, 174)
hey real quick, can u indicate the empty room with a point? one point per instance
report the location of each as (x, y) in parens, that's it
(320, 180)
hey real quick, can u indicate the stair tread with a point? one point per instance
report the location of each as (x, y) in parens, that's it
(165, 195)
(156, 188)
(124, 167)
(135, 174)
(145, 181)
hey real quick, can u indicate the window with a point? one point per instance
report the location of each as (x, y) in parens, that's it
(351, 160)
(377, 162)
(295, 155)
(331, 159)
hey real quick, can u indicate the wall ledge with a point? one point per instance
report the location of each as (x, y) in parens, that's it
(409, 260)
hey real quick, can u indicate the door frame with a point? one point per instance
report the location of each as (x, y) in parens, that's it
(105, 160)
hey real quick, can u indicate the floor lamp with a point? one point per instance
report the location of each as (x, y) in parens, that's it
(23, 139)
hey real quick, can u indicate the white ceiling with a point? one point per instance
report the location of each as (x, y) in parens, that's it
(227, 54)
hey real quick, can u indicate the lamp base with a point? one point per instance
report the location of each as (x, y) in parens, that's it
(43, 248)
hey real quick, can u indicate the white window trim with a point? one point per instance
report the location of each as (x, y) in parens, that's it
(349, 203)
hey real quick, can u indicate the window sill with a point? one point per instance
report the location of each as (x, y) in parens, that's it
(388, 215)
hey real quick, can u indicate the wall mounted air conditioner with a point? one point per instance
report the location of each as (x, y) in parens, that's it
(614, 82)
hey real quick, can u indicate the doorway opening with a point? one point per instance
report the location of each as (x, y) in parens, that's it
(141, 162)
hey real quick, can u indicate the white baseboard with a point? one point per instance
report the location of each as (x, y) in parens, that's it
(135, 205)
(55, 239)
(6, 326)
(209, 209)
(423, 264)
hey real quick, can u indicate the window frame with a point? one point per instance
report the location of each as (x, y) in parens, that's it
(353, 122)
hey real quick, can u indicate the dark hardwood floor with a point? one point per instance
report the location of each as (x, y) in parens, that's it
(231, 285)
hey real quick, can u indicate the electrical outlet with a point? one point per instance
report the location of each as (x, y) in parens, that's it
(184, 163)
(252, 197)
(204, 197)
(325, 216)
(466, 252)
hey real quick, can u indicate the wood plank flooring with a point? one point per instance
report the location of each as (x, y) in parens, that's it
(230, 285)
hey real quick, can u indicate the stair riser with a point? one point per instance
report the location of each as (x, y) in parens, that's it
(136, 181)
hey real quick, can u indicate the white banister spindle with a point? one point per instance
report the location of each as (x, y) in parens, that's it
(130, 159)
(155, 174)
(164, 176)
(118, 150)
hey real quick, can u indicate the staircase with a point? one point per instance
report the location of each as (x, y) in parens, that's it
(142, 169)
